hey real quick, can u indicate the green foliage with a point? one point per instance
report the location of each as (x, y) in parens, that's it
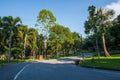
(103, 63)
(115, 33)
(28, 37)
(45, 16)
(46, 19)
(26, 42)
(60, 40)
(98, 21)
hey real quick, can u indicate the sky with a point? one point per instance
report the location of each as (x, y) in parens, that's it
(69, 13)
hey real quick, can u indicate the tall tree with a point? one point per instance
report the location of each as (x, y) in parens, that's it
(32, 39)
(91, 25)
(46, 19)
(28, 37)
(98, 20)
(23, 34)
(11, 23)
(104, 21)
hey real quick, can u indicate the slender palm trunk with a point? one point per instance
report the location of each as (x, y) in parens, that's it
(9, 50)
(24, 46)
(104, 46)
(97, 49)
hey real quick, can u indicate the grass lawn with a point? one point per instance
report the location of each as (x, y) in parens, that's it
(112, 63)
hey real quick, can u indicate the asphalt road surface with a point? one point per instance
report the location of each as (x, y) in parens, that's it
(56, 69)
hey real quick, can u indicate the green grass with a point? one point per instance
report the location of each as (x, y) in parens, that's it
(115, 55)
(4, 62)
(104, 63)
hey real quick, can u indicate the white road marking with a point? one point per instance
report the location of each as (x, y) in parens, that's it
(20, 71)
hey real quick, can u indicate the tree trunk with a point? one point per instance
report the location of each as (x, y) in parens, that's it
(57, 49)
(9, 50)
(23, 56)
(104, 46)
(45, 48)
(97, 48)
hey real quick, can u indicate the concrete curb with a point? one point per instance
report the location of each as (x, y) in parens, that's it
(100, 68)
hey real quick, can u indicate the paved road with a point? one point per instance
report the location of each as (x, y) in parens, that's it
(60, 69)
(8, 72)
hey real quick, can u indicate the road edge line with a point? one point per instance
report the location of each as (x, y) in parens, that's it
(20, 71)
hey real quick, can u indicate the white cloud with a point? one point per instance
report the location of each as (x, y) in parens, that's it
(115, 6)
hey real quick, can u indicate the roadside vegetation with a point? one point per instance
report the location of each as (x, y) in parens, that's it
(52, 40)
(4, 62)
(99, 24)
(110, 63)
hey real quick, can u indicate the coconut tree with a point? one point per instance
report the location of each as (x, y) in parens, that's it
(11, 23)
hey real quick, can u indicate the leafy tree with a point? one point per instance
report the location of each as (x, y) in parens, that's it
(115, 31)
(46, 19)
(89, 43)
(77, 42)
(61, 41)
(55, 38)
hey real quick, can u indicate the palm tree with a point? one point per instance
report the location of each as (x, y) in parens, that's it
(104, 21)
(91, 26)
(3, 37)
(28, 37)
(11, 23)
(23, 33)
(99, 19)
(32, 39)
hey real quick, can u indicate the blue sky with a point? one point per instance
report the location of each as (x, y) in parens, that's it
(69, 13)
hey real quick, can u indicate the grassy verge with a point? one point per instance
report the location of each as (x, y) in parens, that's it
(4, 62)
(112, 63)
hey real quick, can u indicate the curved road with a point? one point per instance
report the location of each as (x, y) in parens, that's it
(56, 69)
